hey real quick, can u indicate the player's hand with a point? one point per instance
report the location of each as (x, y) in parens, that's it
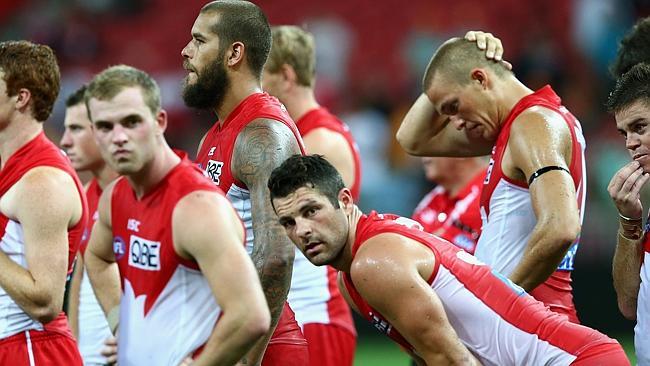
(110, 350)
(624, 189)
(491, 44)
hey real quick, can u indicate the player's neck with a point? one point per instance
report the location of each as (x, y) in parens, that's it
(104, 175)
(16, 134)
(301, 101)
(344, 261)
(511, 93)
(239, 89)
(154, 171)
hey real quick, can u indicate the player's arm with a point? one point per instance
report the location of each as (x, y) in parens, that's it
(46, 203)
(624, 189)
(388, 271)
(224, 263)
(335, 149)
(101, 265)
(74, 294)
(540, 138)
(424, 132)
(261, 147)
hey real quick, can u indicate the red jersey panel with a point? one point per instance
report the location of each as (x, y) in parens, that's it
(93, 192)
(497, 320)
(167, 308)
(508, 215)
(37, 153)
(456, 219)
(321, 118)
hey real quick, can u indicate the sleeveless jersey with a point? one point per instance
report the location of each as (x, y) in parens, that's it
(456, 219)
(494, 318)
(642, 328)
(314, 294)
(167, 309)
(36, 153)
(93, 327)
(215, 157)
(506, 208)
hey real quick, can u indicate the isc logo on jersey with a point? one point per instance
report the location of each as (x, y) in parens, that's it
(144, 254)
(213, 170)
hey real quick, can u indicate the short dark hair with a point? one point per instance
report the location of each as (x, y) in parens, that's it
(455, 59)
(76, 97)
(633, 49)
(245, 22)
(311, 171)
(110, 82)
(33, 67)
(634, 85)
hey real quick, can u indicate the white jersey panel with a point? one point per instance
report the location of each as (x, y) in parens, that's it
(507, 229)
(493, 340)
(309, 292)
(93, 328)
(240, 199)
(181, 320)
(12, 318)
(642, 328)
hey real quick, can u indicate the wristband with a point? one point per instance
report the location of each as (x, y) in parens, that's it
(628, 218)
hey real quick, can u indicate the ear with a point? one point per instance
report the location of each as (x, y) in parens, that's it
(235, 54)
(345, 200)
(288, 73)
(161, 121)
(481, 77)
(23, 97)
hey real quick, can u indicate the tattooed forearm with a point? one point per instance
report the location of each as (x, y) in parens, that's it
(261, 147)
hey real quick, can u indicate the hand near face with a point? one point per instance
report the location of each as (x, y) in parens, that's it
(488, 42)
(624, 189)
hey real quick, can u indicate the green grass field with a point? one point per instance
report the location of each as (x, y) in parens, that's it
(378, 351)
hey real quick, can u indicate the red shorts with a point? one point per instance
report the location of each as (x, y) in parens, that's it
(608, 354)
(287, 346)
(556, 293)
(329, 345)
(33, 347)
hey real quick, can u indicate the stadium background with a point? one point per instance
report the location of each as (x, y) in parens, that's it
(371, 55)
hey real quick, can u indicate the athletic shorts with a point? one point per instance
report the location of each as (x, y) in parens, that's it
(41, 348)
(609, 354)
(329, 345)
(287, 346)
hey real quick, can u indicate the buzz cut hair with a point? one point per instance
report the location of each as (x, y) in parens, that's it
(455, 59)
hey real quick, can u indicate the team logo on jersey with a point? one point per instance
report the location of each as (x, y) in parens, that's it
(211, 152)
(133, 225)
(144, 254)
(118, 247)
(213, 170)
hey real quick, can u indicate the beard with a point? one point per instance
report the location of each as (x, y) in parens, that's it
(210, 87)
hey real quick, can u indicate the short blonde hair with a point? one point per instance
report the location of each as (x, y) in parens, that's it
(295, 47)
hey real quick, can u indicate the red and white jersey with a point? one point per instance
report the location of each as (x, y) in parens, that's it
(215, 157)
(642, 328)
(322, 118)
(93, 327)
(506, 208)
(314, 294)
(167, 309)
(38, 152)
(494, 318)
(456, 219)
